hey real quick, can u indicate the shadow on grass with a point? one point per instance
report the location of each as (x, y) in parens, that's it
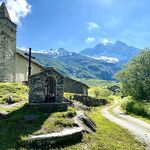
(14, 127)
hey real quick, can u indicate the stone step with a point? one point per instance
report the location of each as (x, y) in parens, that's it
(57, 139)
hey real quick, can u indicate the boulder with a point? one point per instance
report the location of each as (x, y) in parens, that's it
(81, 106)
(83, 121)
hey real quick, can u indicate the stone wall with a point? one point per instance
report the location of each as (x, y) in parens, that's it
(89, 101)
(37, 86)
(7, 50)
(73, 86)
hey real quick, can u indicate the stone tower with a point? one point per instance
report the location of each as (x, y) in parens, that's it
(7, 46)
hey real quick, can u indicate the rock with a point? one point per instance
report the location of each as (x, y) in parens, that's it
(10, 100)
(3, 114)
(66, 137)
(68, 101)
(30, 118)
(85, 122)
(81, 106)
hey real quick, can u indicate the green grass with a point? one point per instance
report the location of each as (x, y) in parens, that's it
(17, 91)
(109, 136)
(99, 92)
(14, 129)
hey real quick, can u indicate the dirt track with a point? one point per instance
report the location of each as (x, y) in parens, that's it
(140, 129)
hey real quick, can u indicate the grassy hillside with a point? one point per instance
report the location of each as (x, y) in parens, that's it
(17, 91)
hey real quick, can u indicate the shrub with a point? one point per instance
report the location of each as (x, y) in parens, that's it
(140, 108)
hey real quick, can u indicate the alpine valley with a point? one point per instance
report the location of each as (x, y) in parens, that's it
(100, 62)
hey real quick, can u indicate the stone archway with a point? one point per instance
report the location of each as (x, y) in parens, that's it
(50, 90)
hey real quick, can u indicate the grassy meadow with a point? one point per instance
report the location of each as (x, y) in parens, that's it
(14, 129)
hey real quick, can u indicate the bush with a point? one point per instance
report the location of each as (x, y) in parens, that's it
(139, 108)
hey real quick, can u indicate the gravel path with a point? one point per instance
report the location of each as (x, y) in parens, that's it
(140, 129)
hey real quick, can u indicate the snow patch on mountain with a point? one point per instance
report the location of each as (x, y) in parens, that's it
(107, 59)
(52, 52)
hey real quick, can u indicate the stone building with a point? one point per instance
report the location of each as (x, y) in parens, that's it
(7, 46)
(73, 86)
(49, 85)
(13, 64)
(46, 87)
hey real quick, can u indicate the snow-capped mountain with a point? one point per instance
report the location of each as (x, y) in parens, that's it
(118, 52)
(101, 62)
(55, 53)
(75, 65)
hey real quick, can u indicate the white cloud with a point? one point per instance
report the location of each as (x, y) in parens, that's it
(17, 9)
(105, 41)
(90, 40)
(92, 26)
(23, 48)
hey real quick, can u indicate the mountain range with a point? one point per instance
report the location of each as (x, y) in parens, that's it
(100, 62)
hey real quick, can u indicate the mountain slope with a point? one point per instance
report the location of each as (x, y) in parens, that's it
(75, 65)
(118, 52)
(100, 62)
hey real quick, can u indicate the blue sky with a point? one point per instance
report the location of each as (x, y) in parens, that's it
(78, 24)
